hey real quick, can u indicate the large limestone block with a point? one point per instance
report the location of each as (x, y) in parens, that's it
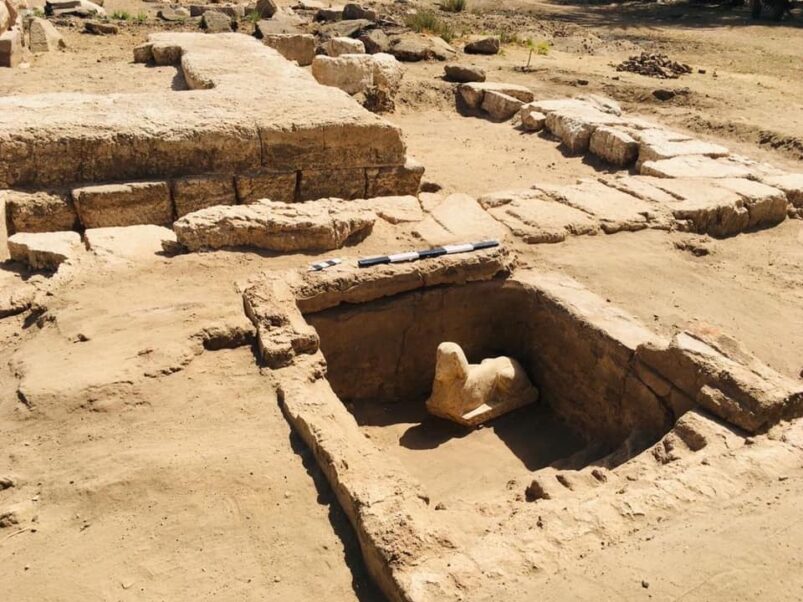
(215, 21)
(472, 394)
(198, 192)
(124, 204)
(384, 181)
(388, 72)
(338, 183)
(657, 144)
(44, 250)
(129, 243)
(351, 73)
(766, 206)
(614, 145)
(270, 186)
(458, 219)
(394, 209)
(339, 45)
(43, 36)
(615, 210)
(499, 106)
(694, 166)
(413, 47)
(299, 47)
(39, 212)
(531, 119)
(535, 218)
(11, 48)
(791, 184)
(473, 93)
(574, 127)
(286, 227)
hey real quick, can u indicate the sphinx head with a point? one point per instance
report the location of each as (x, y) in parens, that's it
(451, 362)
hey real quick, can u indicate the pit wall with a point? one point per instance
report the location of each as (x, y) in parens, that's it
(385, 352)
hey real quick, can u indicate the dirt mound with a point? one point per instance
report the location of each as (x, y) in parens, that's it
(654, 65)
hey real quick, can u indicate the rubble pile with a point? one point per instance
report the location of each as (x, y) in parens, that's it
(654, 65)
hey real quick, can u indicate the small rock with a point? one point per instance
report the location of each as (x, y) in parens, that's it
(531, 120)
(463, 74)
(375, 41)
(355, 11)
(338, 46)
(663, 94)
(213, 21)
(266, 8)
(645, 584)
(99, 28)
(485, 45)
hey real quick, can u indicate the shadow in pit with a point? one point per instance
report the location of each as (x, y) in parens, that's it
(361, 582)
(535, 435)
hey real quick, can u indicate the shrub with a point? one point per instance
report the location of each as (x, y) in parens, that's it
(121, 15)
(428, 22)
(453, 6)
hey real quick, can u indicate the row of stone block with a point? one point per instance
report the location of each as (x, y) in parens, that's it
(161, 202)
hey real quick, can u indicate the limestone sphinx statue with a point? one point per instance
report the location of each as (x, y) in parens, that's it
(471, 394)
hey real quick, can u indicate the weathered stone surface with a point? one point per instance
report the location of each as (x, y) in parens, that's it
(130, 243)
(80, 8)
(355, 11)
(694, 166)
(234, 11)
(44, 250)
(323, 183)
(329, 13)
(657, 144)
(574, 126)
(271, 186)
(741, 390)
(338, 46)
(287, 227)
(11, 48)
(615, 210)
(199, 192)
(143, 53)
(614, 145)
(602, 103)
(792, 186)
(483, 45)
(535, 218)
(267, 27)
(499, 106)
(531, 120)
(473, 94)
(471, 394)
(214, 21)
(375, 41)
(345, 29)
(384, 181)
(173, 15)
(43, 36)
(463, 74)
(458, 219)
(266, 8)
(299, 47)
(38, 212)
(100, 28)
(124, 204)
(393, 209)
(226, 123)
(354, 73)
(416, 47)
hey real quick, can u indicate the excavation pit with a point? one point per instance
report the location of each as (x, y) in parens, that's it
(351, 353)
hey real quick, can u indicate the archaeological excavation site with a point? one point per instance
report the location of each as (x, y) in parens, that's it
(403, 300)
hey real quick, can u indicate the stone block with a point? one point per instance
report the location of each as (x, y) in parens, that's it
(473, 93)
(351, 73)
(499, 106)
(531, 119)
(198, 192)
(44, 250)
(792, 186)
(458, 219)
(11, 48)
(39, 212)
(129, 243)
(279, 186)
(463, 74)
(124, 204)
(214, 21)
(331, 183)
(614, 145)
(483, 45)
(694, 166)
(337, 46)
(43, 36)
(401, 180)
(299, 47)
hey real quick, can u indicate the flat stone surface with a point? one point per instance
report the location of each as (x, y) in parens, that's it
(271, 225)
(575, 125)
(44, 250)
(458, 219)
(694, 166)
(655, 145)
(615, 210)
(131, 243)
(791, 184)
(248, 108)
(473, 93)
(614, 145)
(535, 218)
(394, 209)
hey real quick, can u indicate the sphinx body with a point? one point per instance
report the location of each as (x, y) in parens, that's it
(471, 394)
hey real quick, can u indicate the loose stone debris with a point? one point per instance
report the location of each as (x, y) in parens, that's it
(654, 65)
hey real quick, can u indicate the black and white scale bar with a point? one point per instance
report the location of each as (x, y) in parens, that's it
(322, 265)
(427, 253)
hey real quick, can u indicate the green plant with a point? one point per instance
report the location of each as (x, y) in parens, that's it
(542, 48)
(141, 18)
(453, 6)
(38, 12)
(253, 17)
(121, 15)
(426, 21)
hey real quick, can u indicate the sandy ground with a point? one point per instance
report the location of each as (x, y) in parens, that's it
(155, 470)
